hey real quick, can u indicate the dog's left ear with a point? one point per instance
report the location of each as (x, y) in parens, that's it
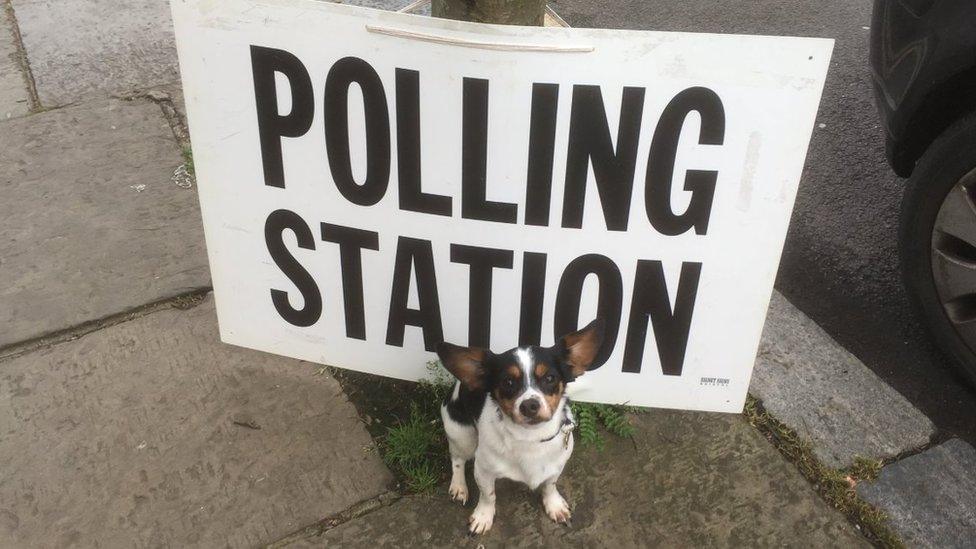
(465, 363)
(580, 347)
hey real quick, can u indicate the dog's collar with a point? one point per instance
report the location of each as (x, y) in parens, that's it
(566, 426)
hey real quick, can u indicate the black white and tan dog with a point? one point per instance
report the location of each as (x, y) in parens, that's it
(510, 413)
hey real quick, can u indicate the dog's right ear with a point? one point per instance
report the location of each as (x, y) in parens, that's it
(580, 348)
(465, 363)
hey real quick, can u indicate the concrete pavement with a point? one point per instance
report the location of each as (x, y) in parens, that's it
(687, 480)
(81, 49)
(127, 424)
(93, 223)
(153, 433)
(808, 381)
(125, 421)
(931, 497)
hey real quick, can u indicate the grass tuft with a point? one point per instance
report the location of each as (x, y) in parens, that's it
(188, 160)
(422, 478)
(409, 443)
(415, 448)
(836, 486)
(866, 469)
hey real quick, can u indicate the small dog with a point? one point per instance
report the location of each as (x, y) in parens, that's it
(510, 413)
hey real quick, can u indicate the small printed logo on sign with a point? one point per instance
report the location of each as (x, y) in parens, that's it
(715, 381)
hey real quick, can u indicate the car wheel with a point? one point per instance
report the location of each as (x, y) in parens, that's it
(938, 242)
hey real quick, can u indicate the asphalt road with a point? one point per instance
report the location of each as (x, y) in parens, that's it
(840, 265)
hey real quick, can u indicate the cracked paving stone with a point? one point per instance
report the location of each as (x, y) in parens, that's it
(930, 497)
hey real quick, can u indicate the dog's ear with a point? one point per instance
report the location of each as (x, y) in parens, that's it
(465, 363)
(580, 348)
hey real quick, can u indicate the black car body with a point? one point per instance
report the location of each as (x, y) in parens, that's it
(923, 57)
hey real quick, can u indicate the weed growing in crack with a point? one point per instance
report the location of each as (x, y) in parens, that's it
(865, 469)
(188, 160)
(837, 486)
(590, 417)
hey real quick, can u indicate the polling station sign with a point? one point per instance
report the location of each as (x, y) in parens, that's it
(374, 183)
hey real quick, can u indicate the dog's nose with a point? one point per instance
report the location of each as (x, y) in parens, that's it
(530, 407)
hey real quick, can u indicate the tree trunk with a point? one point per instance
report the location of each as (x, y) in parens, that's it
(504, 12)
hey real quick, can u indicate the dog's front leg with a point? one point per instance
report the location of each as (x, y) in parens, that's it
(484, 513)
(459, 486)
(556, 506)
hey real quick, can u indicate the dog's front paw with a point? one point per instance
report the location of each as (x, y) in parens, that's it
(481, 519)
(557, 508)
(459, 491)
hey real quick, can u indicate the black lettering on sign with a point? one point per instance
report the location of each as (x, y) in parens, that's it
(351, 244)
(272, 126)
(533, 293)
(542, 145)
(609, 301)
(671, 328)
(276, 224)
(412, 198)
(590, 141)
(342, 75)
(474, 158)
(660, 164)
(414, 255)
(482, 263)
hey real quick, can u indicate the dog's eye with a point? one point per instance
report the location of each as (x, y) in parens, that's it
(509, 382)
(549, 378)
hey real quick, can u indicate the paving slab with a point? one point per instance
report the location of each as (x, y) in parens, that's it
(93, 224)
(13, 91)
(687, 480)
(812, 384)
(153, 433)
(930, 497)
(80, 49)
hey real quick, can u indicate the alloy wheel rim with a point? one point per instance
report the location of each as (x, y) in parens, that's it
(953, 252)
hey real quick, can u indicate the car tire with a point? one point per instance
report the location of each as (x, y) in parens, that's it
(929, 258)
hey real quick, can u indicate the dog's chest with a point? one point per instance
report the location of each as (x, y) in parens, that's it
(529, 461)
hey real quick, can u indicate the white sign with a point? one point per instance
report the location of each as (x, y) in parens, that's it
(373, 183)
